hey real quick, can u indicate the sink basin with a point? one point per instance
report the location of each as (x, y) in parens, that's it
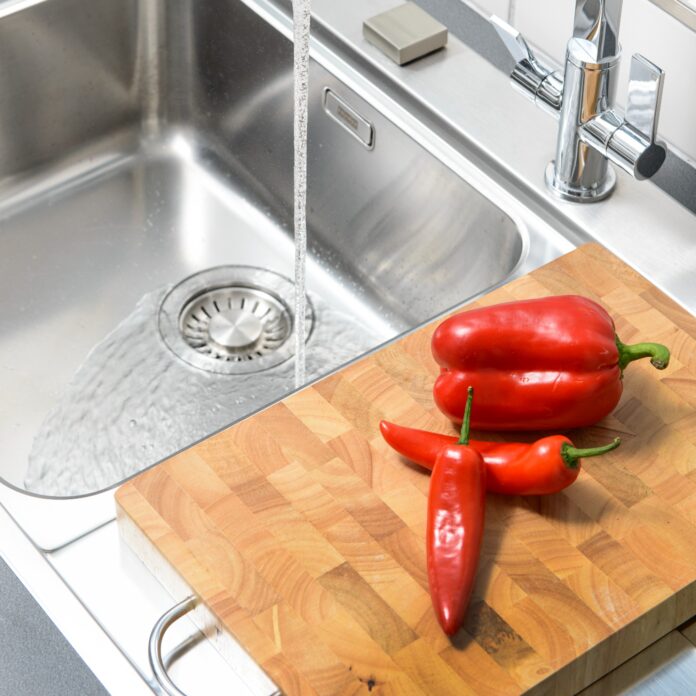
(145, 146)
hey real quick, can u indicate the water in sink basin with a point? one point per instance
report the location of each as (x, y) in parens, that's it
(145, 184)
(134, 401)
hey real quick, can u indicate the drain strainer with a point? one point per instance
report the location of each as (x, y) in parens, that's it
(231, 320)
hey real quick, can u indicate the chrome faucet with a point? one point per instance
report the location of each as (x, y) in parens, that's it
(590, 130)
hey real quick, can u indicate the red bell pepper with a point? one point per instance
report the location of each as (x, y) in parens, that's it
(513, 468)
(456, 506)
(546, 364)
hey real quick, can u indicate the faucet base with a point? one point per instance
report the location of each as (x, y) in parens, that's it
(579, 195)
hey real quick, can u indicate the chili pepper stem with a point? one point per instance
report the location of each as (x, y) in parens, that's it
(466, 422)
(571, 455)
(658, 354)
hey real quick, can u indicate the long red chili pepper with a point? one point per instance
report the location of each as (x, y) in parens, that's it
(551, 363)
(456, 506)
(514, 468)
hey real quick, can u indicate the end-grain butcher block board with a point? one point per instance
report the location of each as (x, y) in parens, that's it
(304, 534)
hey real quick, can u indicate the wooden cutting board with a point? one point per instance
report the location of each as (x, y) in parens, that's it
(304, 533)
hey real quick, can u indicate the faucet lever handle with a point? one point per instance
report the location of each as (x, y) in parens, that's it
(644, 95)
(633, 145)
(515, 43)
(517, 47)
(532, 78)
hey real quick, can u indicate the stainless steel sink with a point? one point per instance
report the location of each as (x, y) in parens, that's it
(146, 163)
(146, 142)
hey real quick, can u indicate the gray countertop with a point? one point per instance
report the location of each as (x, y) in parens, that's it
(35, 658)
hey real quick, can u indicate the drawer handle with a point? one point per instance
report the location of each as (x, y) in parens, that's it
(155, 644)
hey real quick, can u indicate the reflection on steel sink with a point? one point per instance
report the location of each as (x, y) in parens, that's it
(145, 144)
(146, 251)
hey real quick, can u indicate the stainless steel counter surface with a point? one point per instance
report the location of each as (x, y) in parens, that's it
(665, 668)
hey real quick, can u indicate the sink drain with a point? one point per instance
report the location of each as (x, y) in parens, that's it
(231, 320)
(235, 324)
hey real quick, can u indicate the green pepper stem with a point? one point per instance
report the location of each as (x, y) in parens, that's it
(571, 455)
(658, 354)
(466, 422)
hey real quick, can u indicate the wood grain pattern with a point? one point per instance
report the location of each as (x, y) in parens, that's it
(304, 533)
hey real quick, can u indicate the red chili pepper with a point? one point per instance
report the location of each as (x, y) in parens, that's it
(456, 506)
(547, 364)
(514, 468)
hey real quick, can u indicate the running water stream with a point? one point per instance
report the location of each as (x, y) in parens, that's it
(301, 19)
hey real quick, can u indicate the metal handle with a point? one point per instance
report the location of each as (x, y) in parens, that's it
(532, 78)
(644, 95)
(155, 644)
(633, 145)
(515, 43)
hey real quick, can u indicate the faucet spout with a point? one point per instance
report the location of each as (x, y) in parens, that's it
(597, 22)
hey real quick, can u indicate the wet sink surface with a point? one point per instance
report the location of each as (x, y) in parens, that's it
(155, 143)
